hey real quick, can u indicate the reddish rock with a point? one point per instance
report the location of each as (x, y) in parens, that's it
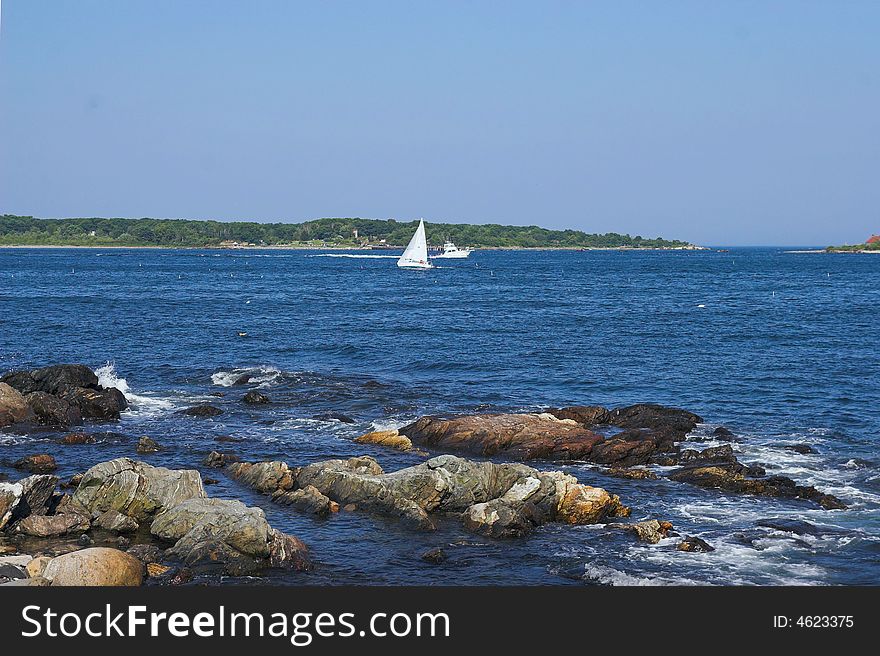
(42, 463)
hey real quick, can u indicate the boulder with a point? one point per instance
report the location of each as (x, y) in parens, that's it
(585, 415)
(96, 566)
(694, 545)
(10, 496)
(635, 473)
(14, 408)
(45, 526)
(650, 531)
(9, 572)
(36, 494)
(77, 438)
(100, 404)
(219, 460)
(265, 477)
(434, 556)
(212, 532)
(255, 398)
(519, 436)
(116, 522)
(307, 499)
(202, 410)
(52, 410)
(389, 438)
(41, 463)
(146, 445)
(288, 552)
(136, 489)
(21, 381)
(37, 566)
(57, 378)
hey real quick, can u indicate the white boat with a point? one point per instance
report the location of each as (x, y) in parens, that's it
(416, 254)
(452, 252)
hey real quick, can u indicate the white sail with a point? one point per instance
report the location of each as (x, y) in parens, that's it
(416, 253)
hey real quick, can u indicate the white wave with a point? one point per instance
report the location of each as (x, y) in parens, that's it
(138, 403)
(259, 376)
(610, 576)
(389, 424)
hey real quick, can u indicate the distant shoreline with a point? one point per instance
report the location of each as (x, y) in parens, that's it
(350, 248)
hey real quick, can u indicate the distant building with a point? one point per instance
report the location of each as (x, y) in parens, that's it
(873, 239)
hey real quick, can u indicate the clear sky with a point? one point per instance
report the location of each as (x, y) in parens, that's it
(717, 122)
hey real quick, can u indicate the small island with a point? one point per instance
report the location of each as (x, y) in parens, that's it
(871, 245)
(319, 233)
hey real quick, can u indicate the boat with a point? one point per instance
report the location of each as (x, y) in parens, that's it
(416, 254)
(451, 251)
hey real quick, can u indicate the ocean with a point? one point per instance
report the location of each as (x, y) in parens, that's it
(782, 348)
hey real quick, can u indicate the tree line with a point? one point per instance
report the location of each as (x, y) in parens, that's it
(27, 230)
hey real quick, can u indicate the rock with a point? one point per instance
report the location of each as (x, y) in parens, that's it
(729, 475)
(222, 532)
(520, 436)
(349, 507)
(288, 552)
(244, 379)
(723, 434)
(255, 398)
(14, 408)
(203, 410)
(28, 582)
(499, 500)
(585, 415)
(334, 416)
(115, 521)
(389, 438)
(803, 449)
(434, 556)
(97, 566)
(146, 445)
(52, 410)
(634, 474)
(10, 495)
(155, 569)
(36, 494)
(265, 477)
(694, 545)
(10, 572)
(42, 463)
(21, 381)
(795, 526)
(37, 566)
(210, 481)
(20, 561)
(44, 526)
(77, 438)
(219, 460)
(100, 404)
(146, 553)
(74, 481)
(85, 540)
(650, 531)
(307, 499)
(57, 378)
(135, 488)
(181, 576)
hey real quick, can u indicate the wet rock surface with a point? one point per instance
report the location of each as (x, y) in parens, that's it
(498, 500)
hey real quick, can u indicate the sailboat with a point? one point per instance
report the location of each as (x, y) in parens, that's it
(416, 254)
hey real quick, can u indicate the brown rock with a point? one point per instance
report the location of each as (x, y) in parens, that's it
(650, 531)
(146, 445)
(389, 438)
(156, 569)
(42, 463)
(13, 406)
(77, 438)
(44, 526)
(96, 566)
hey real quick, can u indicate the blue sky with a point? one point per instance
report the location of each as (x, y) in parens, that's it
(717, 122)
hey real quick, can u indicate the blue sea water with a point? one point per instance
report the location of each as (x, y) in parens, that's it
(783, 348)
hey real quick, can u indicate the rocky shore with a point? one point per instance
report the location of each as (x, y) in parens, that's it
(127, 522)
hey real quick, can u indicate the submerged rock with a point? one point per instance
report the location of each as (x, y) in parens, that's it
(694, 545)
(218, 460)
(434, 556)
(203, 410)
(77, 438)
(334, 416)
(256, 398)
(147, 445)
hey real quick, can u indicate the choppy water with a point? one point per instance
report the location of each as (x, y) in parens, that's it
(782, 348)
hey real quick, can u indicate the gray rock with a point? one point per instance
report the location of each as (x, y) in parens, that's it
(52, 410)
(146, 445)
(115, 521)
(45, 526)
(135, 488)
(307, 499)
